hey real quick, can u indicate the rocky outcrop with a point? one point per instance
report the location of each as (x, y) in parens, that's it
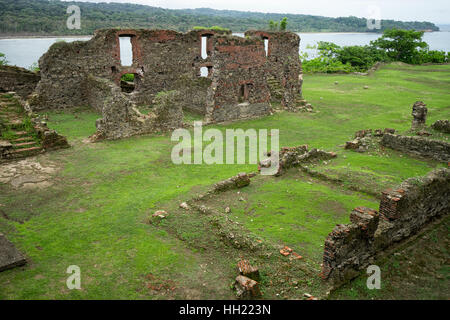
(403, 212)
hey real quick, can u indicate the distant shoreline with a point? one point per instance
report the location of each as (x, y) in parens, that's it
(12, 37)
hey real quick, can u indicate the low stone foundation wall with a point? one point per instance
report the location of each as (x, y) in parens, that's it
(442, 125)
(434, 149)
(295, 156)
(19, 80)
(403, 212)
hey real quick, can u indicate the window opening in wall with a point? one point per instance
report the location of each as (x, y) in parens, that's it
(204, 47)
(126, 51)
(204, 72)
(127, 82)
(244, 92)
(266, 46)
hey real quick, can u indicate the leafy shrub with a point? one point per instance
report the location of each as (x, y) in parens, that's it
(326, 65)
(430, 56)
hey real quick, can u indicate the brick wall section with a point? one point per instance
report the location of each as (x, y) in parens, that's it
(403, 212)
(424, 147)
(349, 246)
(19, 80)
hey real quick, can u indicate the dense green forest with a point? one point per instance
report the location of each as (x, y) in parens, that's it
(49, 17)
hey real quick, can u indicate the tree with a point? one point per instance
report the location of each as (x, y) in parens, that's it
(283, 24)
(401, 45)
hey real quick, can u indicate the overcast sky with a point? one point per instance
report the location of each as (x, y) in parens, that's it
(437, 11)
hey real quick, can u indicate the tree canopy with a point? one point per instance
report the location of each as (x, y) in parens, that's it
(49, 17)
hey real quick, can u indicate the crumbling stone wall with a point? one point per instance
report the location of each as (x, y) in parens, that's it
(122, 119)
(283, 64)
(403, 212)
(19, 80)
(424, 147)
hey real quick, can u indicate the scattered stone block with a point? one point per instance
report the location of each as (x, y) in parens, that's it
(10, 257)
(184, 206)
(286, 251)
(378, 133)
(247, 270)
(423, 133)
(354, 144)
(246, 288)
(239, 181)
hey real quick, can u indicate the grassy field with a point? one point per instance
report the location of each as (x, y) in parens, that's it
(95, 213)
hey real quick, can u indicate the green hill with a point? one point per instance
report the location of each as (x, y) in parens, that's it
(49, 17)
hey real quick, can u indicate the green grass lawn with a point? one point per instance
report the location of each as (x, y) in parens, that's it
(95, 214)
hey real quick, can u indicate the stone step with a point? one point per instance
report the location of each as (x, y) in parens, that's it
(24, 144)
(26, 151)
(23, 139)
(20, 133)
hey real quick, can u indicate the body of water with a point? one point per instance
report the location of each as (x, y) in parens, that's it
(26, 51)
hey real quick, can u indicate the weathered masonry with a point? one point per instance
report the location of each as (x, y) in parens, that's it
(221, 76)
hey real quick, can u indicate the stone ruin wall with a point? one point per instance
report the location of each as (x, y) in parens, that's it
(163, 60)
(19, 80)
(420, 146)
(403, 212)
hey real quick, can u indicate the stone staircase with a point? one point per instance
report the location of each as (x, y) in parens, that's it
(18, 137)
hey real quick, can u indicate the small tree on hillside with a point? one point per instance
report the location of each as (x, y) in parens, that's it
(283, 24)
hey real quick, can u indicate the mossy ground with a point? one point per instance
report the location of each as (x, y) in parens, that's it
(96, 213)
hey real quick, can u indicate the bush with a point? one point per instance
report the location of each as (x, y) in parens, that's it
(395, 45)
(326, 65)
(3, 60)
(430, 56)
